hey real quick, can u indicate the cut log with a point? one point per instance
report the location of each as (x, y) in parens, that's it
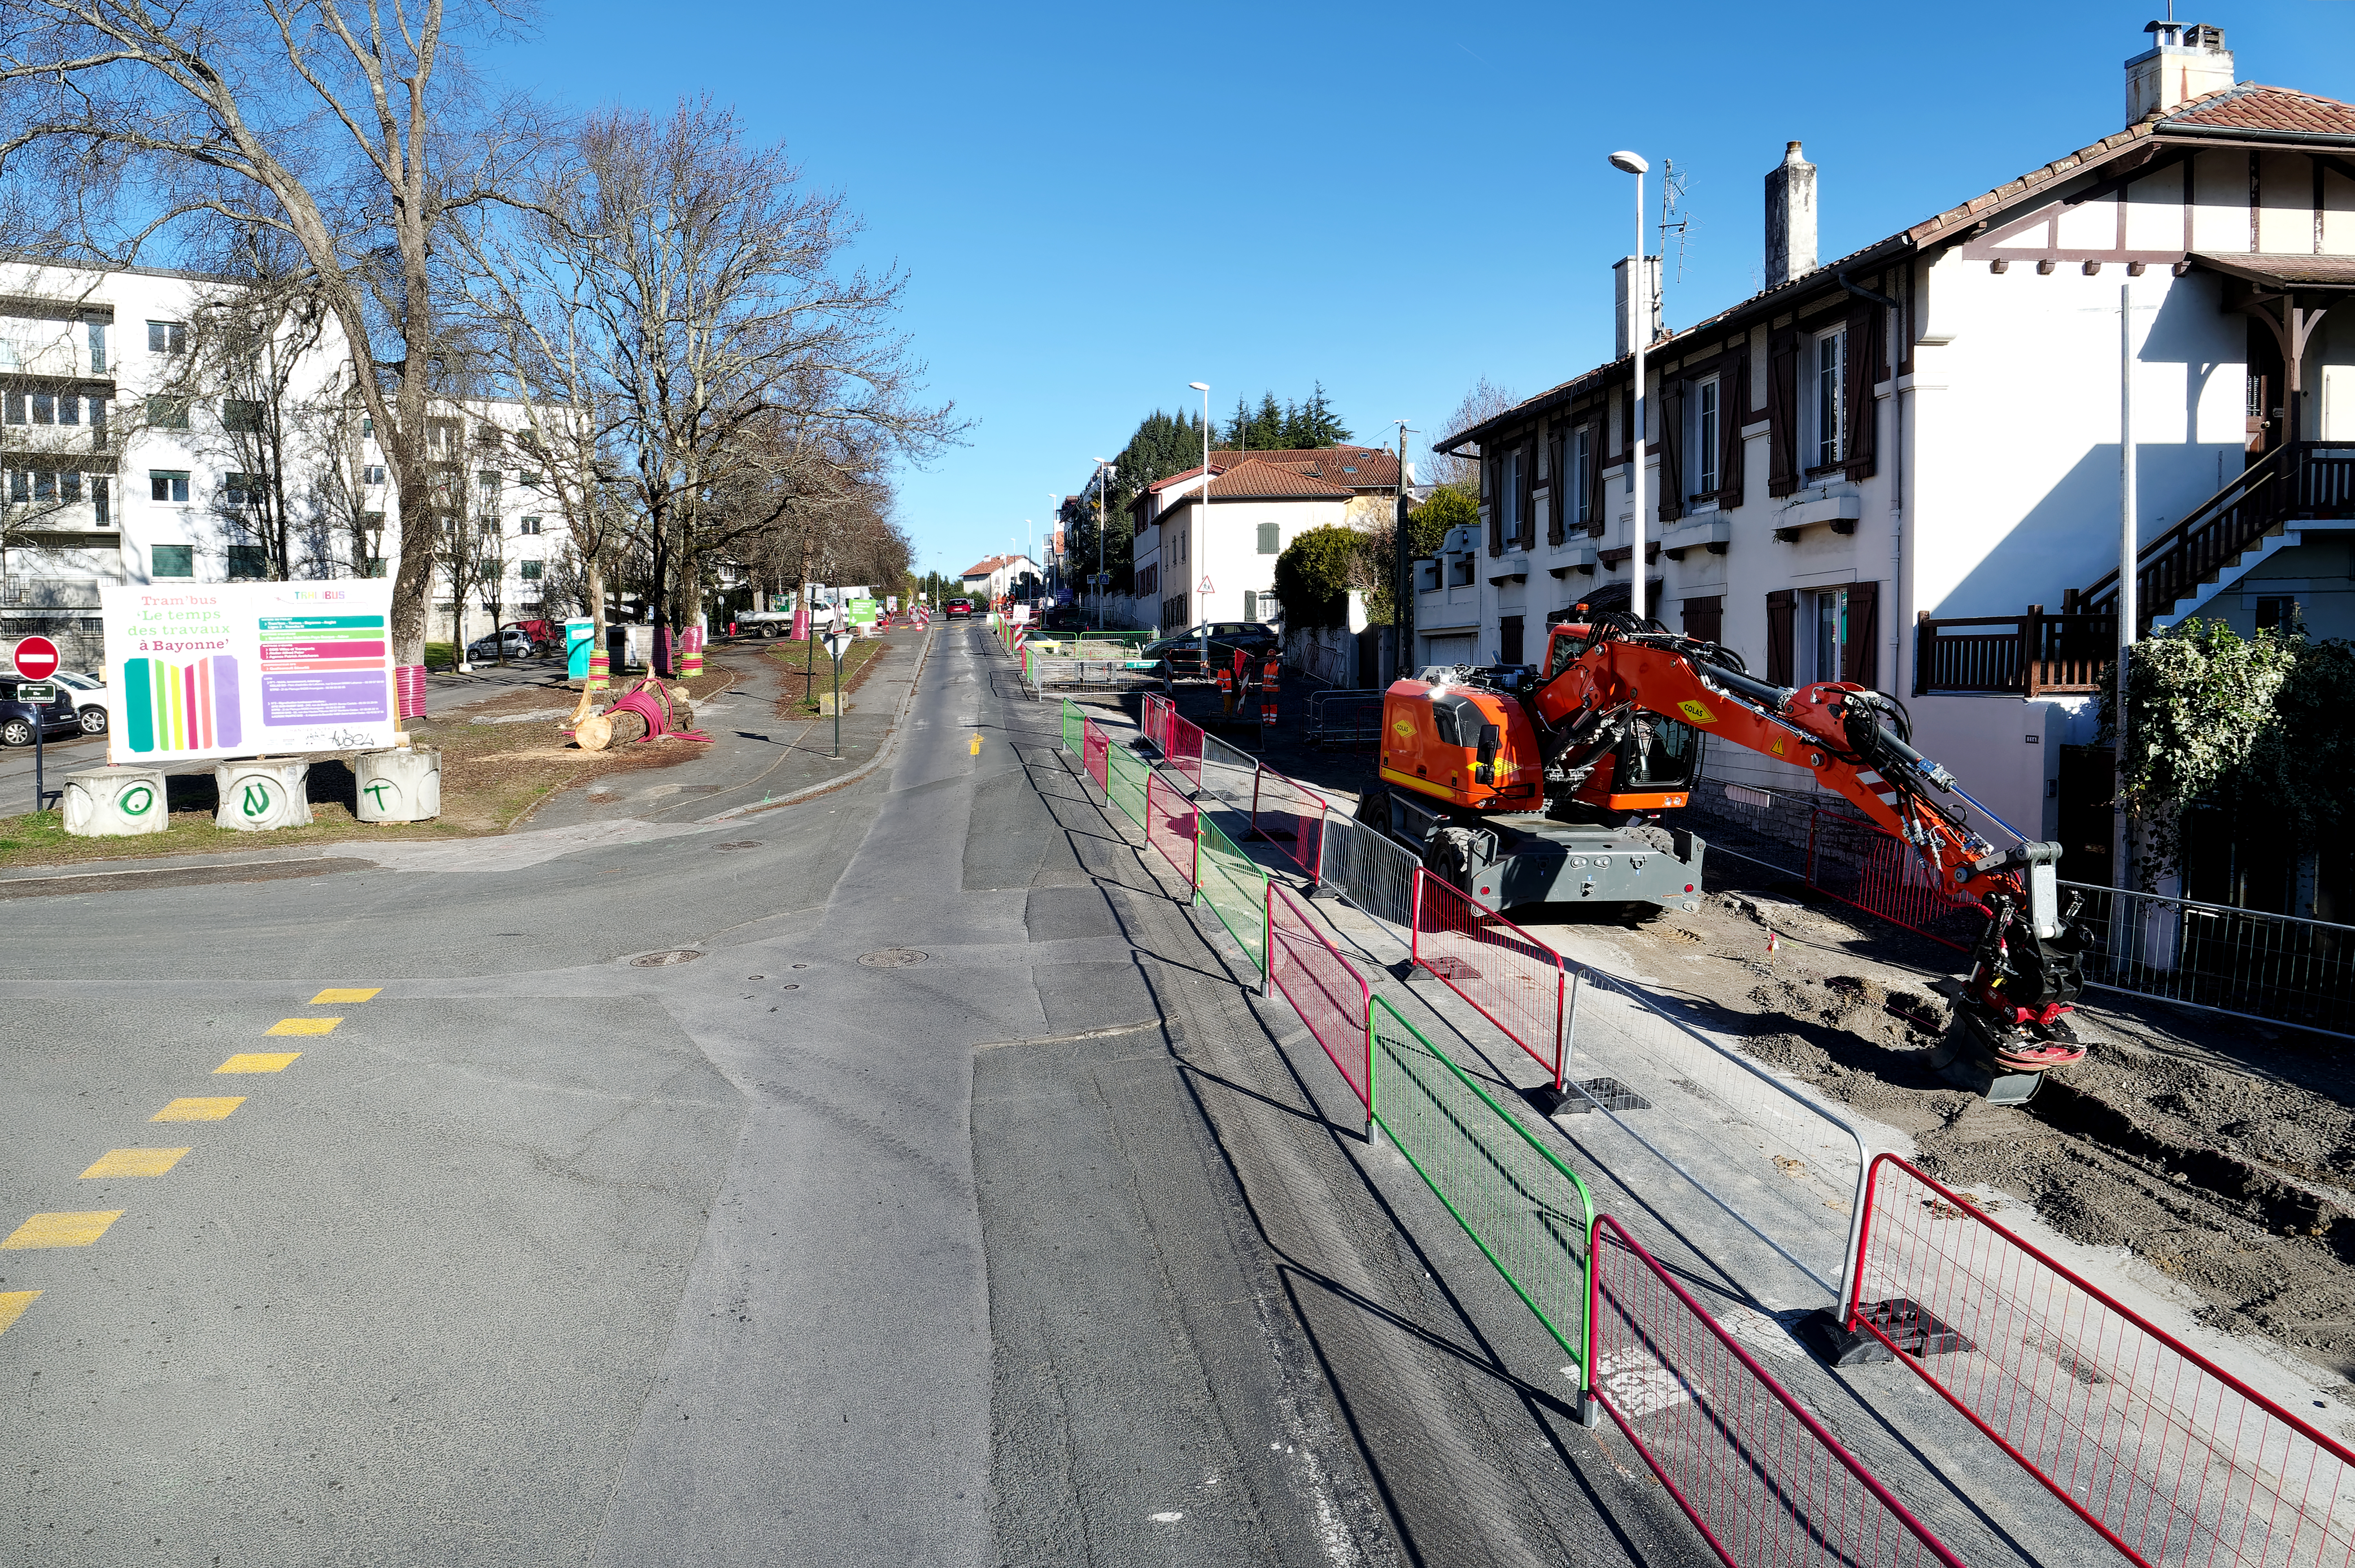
(622, 727)
(594, 732)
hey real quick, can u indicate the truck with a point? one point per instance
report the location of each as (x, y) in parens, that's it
(1520, 784)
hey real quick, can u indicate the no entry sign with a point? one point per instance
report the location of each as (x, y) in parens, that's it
(36, 657)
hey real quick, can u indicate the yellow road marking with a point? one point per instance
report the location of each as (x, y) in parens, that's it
(304, 1026)
(70, 1229)
(345, 993)
(258, 1061)
(200, 1109)
(976, 743)
(134, 1162)
(12, 1306)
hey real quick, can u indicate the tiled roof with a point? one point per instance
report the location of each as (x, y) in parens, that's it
(1256, 478)
(2249, 107)
(2282, 271)
(983, 568)
(2253, 106)
(1359, 468)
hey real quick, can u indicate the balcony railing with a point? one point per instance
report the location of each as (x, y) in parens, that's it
(2016, 655)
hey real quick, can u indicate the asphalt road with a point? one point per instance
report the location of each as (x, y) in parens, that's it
(944, 1201)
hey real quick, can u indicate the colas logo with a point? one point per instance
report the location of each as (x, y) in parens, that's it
(1403, 729)
(1695, 713)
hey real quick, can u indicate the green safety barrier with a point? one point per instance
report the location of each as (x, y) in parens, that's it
(1233, 886)
(1073, 719)
(1526, 1210)
(1124, 773)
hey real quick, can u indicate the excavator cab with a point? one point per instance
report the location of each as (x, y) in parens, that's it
(1650, 769)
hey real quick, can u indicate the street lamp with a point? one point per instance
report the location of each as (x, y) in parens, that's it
(1204, 530)
(1103, 466)
(1639, 289)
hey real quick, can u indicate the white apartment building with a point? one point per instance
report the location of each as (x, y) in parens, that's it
(118, 465)
(1902, 467)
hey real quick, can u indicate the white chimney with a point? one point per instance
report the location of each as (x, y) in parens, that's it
(1790, 218)
(1628, 311)
(2189, 61)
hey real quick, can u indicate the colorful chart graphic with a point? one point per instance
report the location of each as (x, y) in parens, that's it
(182, 707)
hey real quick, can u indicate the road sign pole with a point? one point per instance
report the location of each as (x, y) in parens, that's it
(40, 784)
(837, 704)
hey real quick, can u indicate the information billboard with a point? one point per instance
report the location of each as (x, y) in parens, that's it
(248, 669)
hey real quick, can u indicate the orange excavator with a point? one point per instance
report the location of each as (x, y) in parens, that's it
(1524, 784)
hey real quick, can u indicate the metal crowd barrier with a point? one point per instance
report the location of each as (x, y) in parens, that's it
(1342, 718)
(1326, 989)
(2242, 962)
(1511, 979)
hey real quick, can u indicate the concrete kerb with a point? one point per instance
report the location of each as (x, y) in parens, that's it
(882, 753)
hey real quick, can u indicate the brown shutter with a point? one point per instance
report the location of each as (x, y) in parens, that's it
(1558, 483)
(1528, 537)
(1782, 623)
(1705, 618)
(1494, 505)
(1864, 335)
(1783, 413)
(1672, 443)
(1861, 653)
(1733, 413)
(1596, 497)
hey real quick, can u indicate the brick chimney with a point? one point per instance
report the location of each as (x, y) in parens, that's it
(2188, 60)
(1790, 218)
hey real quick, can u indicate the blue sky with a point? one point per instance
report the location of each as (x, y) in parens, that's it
(1098, 204)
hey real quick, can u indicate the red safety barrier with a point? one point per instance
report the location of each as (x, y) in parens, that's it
(1170, 823)
(1094, 749)
(1331, 997)
(1154, 720)
(1866, 869)
(1290, 816)
(1183, 749)
(2170, 1458)
(1518, 982)
(1761, 1478)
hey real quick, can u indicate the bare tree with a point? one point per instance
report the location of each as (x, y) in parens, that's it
(335, 123)
(1484, 401)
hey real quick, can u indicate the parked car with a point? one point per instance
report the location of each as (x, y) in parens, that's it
(89, 694)
(1181, 655)
(958, 608)
(512, 643)
(17, 719)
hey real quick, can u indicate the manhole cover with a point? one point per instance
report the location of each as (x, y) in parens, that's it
(891, 958)
(664, 960)
(742, 844)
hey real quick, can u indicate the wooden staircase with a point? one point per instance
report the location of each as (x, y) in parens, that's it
(2294, 483)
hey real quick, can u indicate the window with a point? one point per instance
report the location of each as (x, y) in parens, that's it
(172, 560)
(70, 486)
(98, 417)
(168, 413)
(240, 417)
(1507, 498)
(247, 562)
(45, 409)
(1581, 503)
(101, 495)
(488, 484)
(168, 485)
(1825, 631)
(372, 475)
(167, 337)
(15, 407)
(367, 427)
(374, 567)
(531, 570)
(2281, 615)
(243, 489)
(1827, 373)
(20, 485)
(97, 348)
(1704, 438)
(528, 480)
(1270, 535)
(530, 525)
(68, 410)
(44, 485)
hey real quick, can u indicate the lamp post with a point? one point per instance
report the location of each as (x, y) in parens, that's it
(1639, 289)
(1204, 530)
(1104, 467)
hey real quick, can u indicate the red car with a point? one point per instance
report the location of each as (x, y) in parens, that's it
(958, 608)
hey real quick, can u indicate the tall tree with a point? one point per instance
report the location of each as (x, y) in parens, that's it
(338, 122)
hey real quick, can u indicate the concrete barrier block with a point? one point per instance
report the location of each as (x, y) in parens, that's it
(115, 802)
(401, 786)
(256, 797)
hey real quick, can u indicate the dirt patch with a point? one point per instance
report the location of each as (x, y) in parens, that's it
(2221, 1152)
(802, 684)
(493, 776)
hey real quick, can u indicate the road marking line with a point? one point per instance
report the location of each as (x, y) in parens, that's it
(200, 1109)
(976, 743)
(13, 1304)
(258, 1061)
(304, 1026)
(134, 1162)
(64, 1229)
(345, 993)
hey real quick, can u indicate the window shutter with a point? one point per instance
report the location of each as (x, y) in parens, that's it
(1493, 506)
(1705, 618)
(1861, 652)
(1672, 442)
(1864, 334)
(1528, 537)
(1782, 623)
(1557, 483)
(1733, 413)
(1783, 414)
(1594, 492)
